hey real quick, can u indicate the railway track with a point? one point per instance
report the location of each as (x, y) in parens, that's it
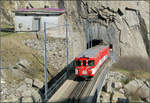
(78, 92)
(82, 91)
(84, 88)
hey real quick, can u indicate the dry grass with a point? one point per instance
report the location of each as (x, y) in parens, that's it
(13, 49)
(133, 67)
(133, 63)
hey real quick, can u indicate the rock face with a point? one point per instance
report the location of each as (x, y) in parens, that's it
(138, 88)
(124, 24)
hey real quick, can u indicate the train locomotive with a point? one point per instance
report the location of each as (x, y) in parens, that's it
(89, 62)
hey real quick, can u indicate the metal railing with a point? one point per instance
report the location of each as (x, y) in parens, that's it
(56, 85)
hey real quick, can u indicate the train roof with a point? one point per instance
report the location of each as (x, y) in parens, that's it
(92, 52)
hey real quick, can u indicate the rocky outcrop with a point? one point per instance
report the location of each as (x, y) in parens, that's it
(135, 91)
(55, 51)
(138, 88)
(22, 92)
(112, 23)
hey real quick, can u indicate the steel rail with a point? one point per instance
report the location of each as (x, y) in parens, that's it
(84, 88)
(93, 90)
(77, 92)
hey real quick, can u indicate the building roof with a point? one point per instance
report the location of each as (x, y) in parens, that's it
(39, 11)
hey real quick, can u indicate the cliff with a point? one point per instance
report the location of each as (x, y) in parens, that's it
(122, 23)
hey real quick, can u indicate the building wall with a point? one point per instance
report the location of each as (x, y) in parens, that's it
(55, 25)
(23, 23)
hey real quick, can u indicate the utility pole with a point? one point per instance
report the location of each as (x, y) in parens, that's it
(91, 36)
(86, 29)
(45, 61)
(67, 45)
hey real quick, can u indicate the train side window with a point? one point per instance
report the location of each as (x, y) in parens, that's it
(91, 62)
(78, 63)
(84, 62)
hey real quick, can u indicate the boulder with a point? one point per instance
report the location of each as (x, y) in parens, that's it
(117, 85)
(38, 83)
(116, 95)
(4, 91)
(27, 99)
(104, 97)
(11, 98)
(121, 91)
(22, 87)
(2, 81)
(116, 76)
(10, 74)
(29, 81)
(23, 63)
(108, 86)
(138, 88)
(18, 74)
(27, 93)
(36, 95)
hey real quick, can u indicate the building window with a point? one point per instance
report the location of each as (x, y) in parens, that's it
(36, 24)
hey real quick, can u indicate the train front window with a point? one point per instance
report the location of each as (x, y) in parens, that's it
(91, 62)
(78, 63)
(84, 62)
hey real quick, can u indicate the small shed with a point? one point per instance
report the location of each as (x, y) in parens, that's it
(32, 19)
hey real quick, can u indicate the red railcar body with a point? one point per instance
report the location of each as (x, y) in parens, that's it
(90, 61)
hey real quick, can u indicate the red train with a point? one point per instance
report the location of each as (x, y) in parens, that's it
(89, 62)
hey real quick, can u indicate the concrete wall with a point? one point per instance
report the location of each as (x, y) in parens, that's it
(55, 24)
(24, 21)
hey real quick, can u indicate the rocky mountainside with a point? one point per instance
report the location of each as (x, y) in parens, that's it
(124, 24)
(118, 87)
